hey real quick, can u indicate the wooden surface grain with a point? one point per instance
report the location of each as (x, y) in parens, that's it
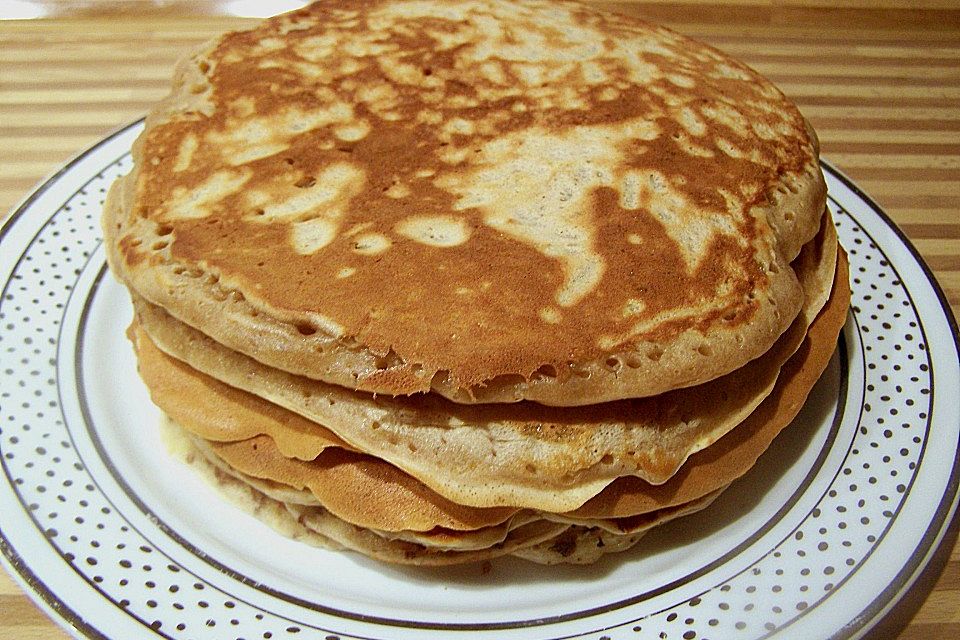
(879, 80)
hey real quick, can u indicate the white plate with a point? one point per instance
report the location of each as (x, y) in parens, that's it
(114, 539)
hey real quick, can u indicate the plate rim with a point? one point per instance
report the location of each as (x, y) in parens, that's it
(937, 529)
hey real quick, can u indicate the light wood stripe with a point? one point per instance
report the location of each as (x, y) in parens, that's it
(68, 97)
(907, 161)
(933, 248)
(90, 54)
(898, 92)
(825, 125)
(911, 137)
(863, 112)
(892, 172)
(877, 42)
(65, 117)
(843, 50)
(858, 74)
(25, 141)
(946, 190)
(908, 215)
(26, 621)
(7, 586)
(80, 77)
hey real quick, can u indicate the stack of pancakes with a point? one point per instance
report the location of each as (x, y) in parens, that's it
(445, 280)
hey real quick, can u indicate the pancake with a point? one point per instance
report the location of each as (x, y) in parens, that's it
(491, 200)
(704, 473)
(735, 453)
(216, 411)
(594, 532)
(585, 542)
(440, 281)
(315, 526)
(361, 489)
(436, 536)
(271, 512)
(199, 401)
(371, 494)
(641, 522)
(524, 454)
(474, 540)
(816, 267)
(577, 545)
(550, 540)
(401, 552)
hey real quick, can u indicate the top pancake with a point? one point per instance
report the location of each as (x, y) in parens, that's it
(493, 200)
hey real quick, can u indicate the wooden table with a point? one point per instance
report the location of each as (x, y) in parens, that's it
(879, 80)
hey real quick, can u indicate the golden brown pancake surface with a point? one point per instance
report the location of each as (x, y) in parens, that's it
(490, 199)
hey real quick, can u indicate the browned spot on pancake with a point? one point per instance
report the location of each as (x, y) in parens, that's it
(565, 543)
